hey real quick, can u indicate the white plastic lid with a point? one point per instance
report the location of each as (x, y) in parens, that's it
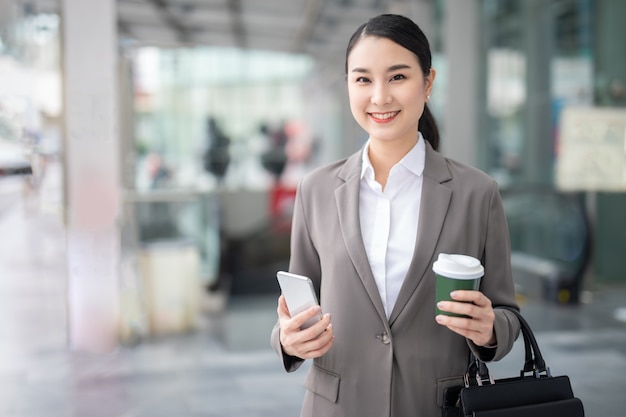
(458, 266)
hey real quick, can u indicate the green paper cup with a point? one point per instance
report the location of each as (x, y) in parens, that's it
(455, 272)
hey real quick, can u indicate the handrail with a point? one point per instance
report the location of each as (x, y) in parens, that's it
(164, 195)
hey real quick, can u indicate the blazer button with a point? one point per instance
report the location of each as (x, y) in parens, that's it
(385, 338)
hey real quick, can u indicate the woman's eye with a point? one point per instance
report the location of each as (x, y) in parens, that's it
(362, 80)
(398, 77)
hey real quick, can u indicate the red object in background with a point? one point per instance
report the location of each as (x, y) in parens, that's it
(281, 207)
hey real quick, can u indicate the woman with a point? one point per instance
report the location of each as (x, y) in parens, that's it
(367, 230)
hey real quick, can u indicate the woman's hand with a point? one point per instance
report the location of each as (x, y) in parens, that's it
(479, 327)
(309, 343)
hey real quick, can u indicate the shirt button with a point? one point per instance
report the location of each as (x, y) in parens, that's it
(385, 338)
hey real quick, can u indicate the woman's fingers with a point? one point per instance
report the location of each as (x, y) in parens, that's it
(479, 326)
(306, 347)
(308, 343)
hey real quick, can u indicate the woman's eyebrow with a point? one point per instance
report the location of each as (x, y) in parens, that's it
(390, 69)
(398, 67)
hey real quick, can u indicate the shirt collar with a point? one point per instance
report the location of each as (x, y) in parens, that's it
(414, 160)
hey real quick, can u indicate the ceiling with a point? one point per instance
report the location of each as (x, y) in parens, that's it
(317, 27)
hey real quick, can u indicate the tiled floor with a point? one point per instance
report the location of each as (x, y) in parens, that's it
(226, 367)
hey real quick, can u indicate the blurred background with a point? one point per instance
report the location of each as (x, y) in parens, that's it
(149, 153)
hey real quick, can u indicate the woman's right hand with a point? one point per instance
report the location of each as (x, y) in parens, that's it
(309, 343)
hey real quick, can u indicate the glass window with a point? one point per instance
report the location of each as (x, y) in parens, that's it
(506, 67)
(207, 115)
(538, 60)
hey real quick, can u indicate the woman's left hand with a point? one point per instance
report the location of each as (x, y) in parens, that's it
(479, 326)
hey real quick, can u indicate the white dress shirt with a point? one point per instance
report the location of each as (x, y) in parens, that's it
(389, 219)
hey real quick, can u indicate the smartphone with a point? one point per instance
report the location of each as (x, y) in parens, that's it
(299, 294)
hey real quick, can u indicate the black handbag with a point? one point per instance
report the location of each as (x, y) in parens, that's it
(535, 393)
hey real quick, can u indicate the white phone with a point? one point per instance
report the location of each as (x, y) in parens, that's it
(299, 294)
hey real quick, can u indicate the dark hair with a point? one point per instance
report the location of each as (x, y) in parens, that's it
(407, 34)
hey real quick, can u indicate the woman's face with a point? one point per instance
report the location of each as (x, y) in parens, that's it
(387, 89)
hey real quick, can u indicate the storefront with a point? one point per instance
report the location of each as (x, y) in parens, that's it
(541, 57)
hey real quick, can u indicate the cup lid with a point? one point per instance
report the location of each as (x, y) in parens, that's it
(458, 266)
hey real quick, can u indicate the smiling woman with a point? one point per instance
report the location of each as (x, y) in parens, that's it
(387, 87)
(366, 231)
(409, 54)
(388, 94)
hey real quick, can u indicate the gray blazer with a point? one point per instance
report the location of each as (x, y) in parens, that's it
(401, 365)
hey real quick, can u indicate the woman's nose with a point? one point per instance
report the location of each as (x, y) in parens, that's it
(380, 95)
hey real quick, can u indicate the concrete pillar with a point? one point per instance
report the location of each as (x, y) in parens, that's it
(92, 200)
(459, 130)
(610, 64)
(539, 144)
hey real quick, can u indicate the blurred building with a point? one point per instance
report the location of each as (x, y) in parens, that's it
(134, 86)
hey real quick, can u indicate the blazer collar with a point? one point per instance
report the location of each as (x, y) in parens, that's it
(347, 200)
(436, 166)
(435, 201)
(352, 167)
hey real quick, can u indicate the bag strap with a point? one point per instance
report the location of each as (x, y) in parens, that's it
(533, 360)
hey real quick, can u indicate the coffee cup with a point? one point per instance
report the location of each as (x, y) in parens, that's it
(455, 272)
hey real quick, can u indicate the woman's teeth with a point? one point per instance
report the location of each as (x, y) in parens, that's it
(384, 116)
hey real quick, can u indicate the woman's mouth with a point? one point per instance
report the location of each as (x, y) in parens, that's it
(383, 117)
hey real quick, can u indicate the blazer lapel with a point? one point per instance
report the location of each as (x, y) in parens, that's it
(434, 208)
(347, 199)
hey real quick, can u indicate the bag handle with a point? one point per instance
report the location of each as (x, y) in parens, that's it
(533, 361)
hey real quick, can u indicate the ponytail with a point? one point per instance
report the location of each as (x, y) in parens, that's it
(428, 127)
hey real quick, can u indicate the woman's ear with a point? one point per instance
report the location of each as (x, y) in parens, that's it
(430, 80)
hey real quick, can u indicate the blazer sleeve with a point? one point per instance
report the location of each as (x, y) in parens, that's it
(303, 260)
(497, 283)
